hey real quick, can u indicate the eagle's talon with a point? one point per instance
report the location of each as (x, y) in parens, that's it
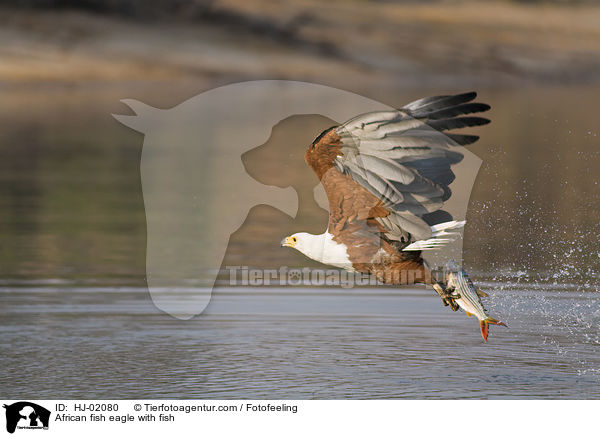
(448, 299)
(453, 305)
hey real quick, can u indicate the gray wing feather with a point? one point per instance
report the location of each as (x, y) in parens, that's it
(376, 185)
(372, 120)
(404, 159)
(387, 169)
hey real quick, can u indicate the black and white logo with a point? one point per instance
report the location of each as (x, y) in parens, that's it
(26, 415)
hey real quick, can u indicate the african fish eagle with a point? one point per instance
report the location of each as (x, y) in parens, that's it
(387, 175)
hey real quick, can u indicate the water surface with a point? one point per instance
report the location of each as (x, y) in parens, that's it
(298, 344)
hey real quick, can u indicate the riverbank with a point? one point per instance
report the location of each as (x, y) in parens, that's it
(339, 43)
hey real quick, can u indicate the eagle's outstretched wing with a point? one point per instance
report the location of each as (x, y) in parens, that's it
(403, 159)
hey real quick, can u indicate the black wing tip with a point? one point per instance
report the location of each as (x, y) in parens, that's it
(323, 133)
(484, 107)
(441, 104)
(463, 139)
(457, 110)
(457, 123)
(467, 96)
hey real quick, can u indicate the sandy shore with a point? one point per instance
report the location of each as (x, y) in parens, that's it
(340, 41)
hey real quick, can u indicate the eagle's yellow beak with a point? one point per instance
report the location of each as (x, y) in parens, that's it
(289, 241)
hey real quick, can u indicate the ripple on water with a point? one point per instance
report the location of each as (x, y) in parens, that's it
(400, 344)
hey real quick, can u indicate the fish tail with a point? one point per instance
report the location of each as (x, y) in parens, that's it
(484, 326)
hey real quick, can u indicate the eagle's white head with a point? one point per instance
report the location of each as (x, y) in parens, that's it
(306, 243)
(321, 248)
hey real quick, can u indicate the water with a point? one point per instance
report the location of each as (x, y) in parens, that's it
(298, 344)
(77, 322)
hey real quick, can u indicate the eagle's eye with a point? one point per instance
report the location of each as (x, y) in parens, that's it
(294, 239)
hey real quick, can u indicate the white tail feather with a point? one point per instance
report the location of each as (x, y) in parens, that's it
(439, 236)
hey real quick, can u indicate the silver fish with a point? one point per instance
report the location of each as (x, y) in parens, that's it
(468, 299)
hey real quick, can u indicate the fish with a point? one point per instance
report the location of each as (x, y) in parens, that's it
(468, 299)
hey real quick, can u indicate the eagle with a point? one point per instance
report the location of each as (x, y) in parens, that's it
(387, 177)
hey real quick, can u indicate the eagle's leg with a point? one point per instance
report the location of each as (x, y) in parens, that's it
(446, 295)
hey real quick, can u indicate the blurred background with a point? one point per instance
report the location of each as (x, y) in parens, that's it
(71, 207)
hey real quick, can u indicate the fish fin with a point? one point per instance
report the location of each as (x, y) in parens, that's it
(481, 293)
(484, 326)
(495, 321)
